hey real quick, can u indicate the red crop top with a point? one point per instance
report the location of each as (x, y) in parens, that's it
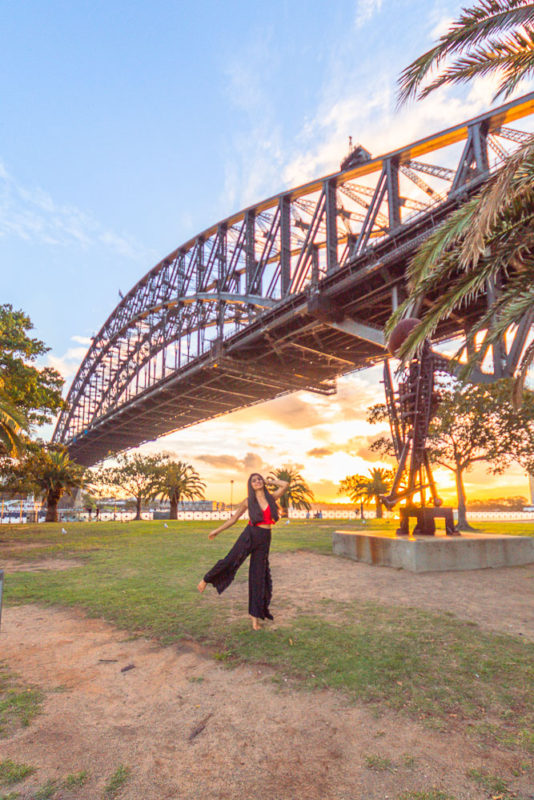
(267, 518)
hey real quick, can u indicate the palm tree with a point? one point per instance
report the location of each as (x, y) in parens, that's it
(49, 473)
(178, 480)
(372, 487)
(354, 486)
(490, 239)
(298, 494)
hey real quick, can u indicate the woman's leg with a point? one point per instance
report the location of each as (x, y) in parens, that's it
(222, 574)
(260, 585)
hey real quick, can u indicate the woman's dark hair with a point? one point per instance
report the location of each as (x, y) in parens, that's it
(254, 511)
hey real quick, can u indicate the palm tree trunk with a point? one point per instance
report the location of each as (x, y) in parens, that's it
(52, 499)
(174, 508)
(463, 524)
(378, 507)
(138, 507)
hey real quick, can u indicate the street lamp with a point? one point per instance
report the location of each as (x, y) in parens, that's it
(231, 495)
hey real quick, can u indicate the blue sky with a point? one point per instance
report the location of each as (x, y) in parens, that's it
(127, 127)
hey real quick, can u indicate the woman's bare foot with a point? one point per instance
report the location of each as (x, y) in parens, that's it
(202, 585)
(256, 626)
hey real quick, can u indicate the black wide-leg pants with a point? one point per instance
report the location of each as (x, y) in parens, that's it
(254, 541)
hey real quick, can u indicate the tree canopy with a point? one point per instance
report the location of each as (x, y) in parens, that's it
(175, 481)
(474, 423)
(134, 475)
(45, 471)
(34, 393)
(368, 487)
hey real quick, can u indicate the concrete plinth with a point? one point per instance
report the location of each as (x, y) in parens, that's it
(434, 553)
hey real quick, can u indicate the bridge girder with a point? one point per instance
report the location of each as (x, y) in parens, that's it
(237, 298)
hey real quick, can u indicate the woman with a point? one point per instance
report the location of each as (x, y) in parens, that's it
(254, 541)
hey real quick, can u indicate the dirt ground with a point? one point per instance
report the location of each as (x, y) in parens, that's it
(11, 565)
(189, 727)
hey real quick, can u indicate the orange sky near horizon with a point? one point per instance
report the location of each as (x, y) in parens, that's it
(327, 437)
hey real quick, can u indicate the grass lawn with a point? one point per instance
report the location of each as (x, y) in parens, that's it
(142, 577)
(18, 703)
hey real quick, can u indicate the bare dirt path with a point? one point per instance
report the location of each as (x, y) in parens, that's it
(499, 600)
(189, 727)
(41, 565)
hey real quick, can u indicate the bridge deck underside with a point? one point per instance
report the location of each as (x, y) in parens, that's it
(289, 348)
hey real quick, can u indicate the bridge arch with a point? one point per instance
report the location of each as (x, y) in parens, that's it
(284, 295)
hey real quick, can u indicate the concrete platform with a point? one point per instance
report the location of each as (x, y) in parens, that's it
(434, 553)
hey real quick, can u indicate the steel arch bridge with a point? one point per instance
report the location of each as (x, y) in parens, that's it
(285, 295)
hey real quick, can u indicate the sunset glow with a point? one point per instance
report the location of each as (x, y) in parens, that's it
(327, 437)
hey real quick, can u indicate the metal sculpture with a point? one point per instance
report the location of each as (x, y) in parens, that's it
(411, 408)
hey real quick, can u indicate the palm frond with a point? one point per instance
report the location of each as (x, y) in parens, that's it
(438, 245)
(514, 179)
(500, 317)
(475, 24)
(519, 382)
(433, 262)
(439, 274)
(10, 441)
(513, 57)
(12, 424)
(465, 286)
(509, 310)
(491, 238)
(463, 291)
(472, 222)
(495, 227)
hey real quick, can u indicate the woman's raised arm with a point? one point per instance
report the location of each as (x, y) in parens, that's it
(282, 486)
(229, 522)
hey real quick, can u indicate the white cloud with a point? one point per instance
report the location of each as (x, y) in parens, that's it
(82, 340)
(31, 214)
(356, 96)
(258, 140)
(365, 11)
(441, 27)
(369, 116)
(67, 364)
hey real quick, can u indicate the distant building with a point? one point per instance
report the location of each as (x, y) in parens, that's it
(198, 505)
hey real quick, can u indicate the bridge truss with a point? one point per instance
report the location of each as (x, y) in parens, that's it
(285, 295)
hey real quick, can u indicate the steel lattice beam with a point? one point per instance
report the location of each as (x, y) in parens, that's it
(181, 333)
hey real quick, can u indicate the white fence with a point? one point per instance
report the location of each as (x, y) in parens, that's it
(517, 516)
(12, 517)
